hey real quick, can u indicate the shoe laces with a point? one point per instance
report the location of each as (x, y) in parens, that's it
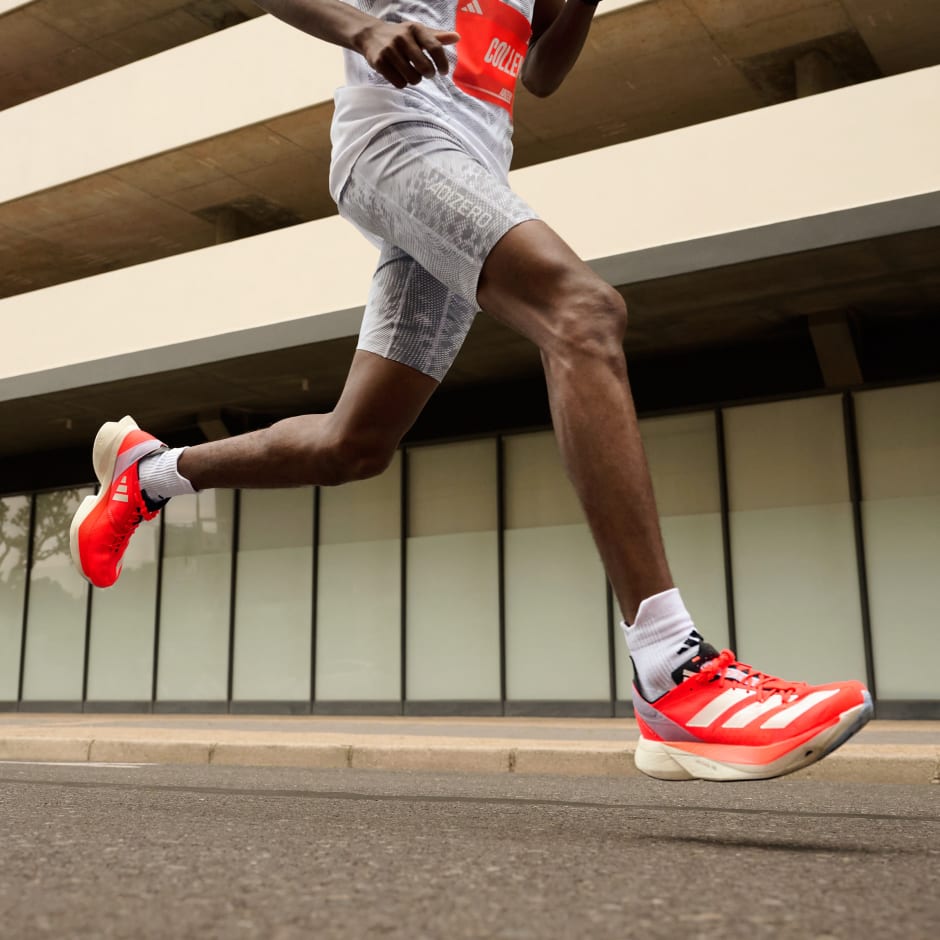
(725, 668)
(123, 532)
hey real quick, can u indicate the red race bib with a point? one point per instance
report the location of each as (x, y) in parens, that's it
(494, 38)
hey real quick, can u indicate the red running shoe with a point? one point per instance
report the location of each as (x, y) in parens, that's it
(727, 721)
(104, 523)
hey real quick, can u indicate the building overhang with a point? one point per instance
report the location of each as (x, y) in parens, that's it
(855, 164)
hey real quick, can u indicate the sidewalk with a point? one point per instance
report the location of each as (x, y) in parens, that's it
(906, 752)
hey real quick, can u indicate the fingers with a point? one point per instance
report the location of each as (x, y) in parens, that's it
(433, 42)
(412, 53)
(410, 46)
(397, 68)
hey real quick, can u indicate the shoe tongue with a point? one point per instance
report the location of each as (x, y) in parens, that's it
(705, 653)
(153, 505)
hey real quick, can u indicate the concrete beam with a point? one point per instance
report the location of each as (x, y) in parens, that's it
(167, 101)
(212, 426)
(835, 349)
(7, 6)
(817, 73)
(735, 190)
(182, 95)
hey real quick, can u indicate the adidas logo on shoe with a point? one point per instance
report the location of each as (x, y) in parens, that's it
(120, 491)
(473, 7)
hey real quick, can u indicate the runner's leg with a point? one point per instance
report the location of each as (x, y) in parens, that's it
(466, 228)
(534, 282)
(411, 331)
(421, 190)
(379, 403)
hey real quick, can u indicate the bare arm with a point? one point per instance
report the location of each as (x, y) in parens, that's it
(559, 30)
(403, 53)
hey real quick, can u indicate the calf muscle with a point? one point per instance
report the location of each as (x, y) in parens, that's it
(534, 283)
(380, 402)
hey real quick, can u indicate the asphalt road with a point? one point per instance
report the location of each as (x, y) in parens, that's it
(177, 852)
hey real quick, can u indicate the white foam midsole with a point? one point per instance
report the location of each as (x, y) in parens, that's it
(668, 762)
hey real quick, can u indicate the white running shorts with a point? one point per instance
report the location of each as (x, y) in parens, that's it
(436, 213)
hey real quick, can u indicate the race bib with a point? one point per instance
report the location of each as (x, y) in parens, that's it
(494, 38)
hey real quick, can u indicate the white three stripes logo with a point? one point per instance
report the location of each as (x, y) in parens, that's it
(120, 491)
(752, 712)
(473, 7)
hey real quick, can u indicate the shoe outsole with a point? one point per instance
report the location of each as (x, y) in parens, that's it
(667, 762)
(104, 457)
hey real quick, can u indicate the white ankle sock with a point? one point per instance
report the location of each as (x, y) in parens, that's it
(159, 477)
(660, 640)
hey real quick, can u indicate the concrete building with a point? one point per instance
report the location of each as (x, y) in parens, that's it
(760, 179)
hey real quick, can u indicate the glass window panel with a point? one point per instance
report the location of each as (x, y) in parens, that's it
(274, 595)
(682, 451)
(14, 538)
(359, 590)
(453, 572)
(792, 540)
(899, 454)
(537, 491)
(556, 603)
(195, 597)
(55, 626)
(683, 456)
(120, 650)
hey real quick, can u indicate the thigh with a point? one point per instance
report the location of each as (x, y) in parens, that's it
(534, 282)
(380, 401)
(418, 189)
(412, 318)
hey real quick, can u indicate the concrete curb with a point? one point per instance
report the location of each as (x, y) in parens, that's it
(311, 756)
(581, 762)
(916, 764)
(149, 752)
(45, 749)
(889, 766)
(480, 759)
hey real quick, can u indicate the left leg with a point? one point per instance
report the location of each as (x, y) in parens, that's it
(701, 714)
(713, 717)
(417, 188)
(534, 282)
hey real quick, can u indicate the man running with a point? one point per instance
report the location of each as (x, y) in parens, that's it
(422, 140)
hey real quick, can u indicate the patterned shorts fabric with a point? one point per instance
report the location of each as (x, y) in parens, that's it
(438, 212)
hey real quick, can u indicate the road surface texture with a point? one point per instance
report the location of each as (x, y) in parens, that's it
(169, 851)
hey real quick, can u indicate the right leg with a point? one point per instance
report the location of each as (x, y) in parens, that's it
(411, 330)
(380, 401)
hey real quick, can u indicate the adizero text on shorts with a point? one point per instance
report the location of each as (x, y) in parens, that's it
(436, 213)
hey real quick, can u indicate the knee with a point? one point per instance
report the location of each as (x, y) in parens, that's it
(590, 318)
(355, 456)
(324, 450)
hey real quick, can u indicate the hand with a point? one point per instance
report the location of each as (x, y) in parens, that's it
(404, 53)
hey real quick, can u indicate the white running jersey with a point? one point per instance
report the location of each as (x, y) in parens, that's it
(472, 102)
